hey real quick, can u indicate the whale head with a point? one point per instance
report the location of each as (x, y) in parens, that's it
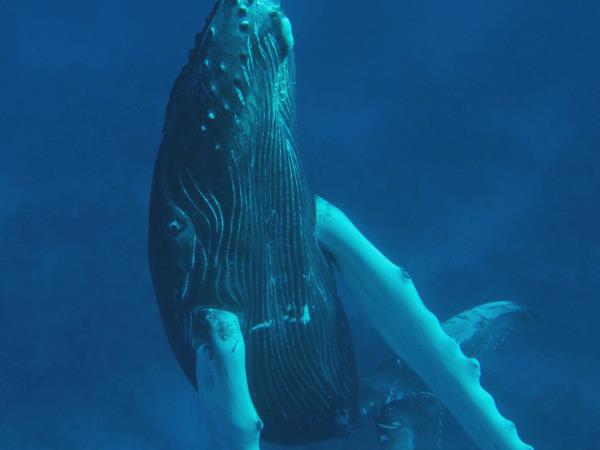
(235, 93)
(241, 64)
(239, 77)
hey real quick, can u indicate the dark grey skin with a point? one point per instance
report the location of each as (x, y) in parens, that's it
(232, 227)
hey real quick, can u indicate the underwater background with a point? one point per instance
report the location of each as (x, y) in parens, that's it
(463, 138)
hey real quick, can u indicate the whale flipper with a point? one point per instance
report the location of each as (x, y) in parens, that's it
(478, 331)
(392, 303)
(221, 380)
(396, 399)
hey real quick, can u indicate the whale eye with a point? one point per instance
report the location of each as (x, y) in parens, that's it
(174, 227)
(244, 26)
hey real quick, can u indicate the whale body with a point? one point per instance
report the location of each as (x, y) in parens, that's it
(237, 249)
(232, 227)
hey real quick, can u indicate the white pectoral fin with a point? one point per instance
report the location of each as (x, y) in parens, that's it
(223, 385)
(392, 303)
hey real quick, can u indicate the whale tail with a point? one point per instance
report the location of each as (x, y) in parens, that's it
(484, 328)
(406, 416)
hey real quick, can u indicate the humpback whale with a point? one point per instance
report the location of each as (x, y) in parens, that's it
(242, 257)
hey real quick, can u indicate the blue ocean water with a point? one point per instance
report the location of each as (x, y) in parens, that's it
(462, 138)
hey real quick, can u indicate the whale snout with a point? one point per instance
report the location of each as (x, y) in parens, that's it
(236, 22)
(238, 63)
